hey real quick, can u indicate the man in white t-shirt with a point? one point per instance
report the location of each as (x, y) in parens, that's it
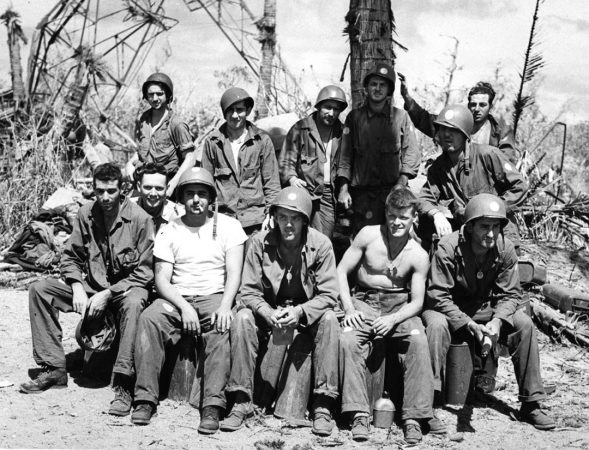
(198, 263)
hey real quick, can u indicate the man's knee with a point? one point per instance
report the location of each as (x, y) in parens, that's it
(243, 322)
(348, 341)
(134, 301)
(329, 320)
(522, 323)
(38, 291)
(435, 323)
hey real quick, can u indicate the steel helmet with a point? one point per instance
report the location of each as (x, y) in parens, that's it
(196, 175)
(458, 117)
(96, 335)
(159, 78)
(382, 70)
(485, 205)
(334, 93)
(234, 95)
(295, 199)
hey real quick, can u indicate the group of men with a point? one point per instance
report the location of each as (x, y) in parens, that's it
(239, 260)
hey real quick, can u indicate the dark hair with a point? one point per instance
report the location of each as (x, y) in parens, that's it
(108, 172)
(482, 87)
(149, 168)
(401, 198)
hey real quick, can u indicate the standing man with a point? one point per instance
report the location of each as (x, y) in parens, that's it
(151, 184)
(242, 159)
(288, 282)
(198, 262)
(308, 159)
(391, 270)
(379, 150)
(161, 136)
(473, 292)
(487, 129)
(107, 264)
(463, 170)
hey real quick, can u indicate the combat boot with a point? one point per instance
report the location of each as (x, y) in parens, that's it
(48, 378)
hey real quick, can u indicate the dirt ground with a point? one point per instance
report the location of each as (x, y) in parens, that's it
(76, 418)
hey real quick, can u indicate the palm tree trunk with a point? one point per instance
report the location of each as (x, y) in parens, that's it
(267, 37)
(370, 27)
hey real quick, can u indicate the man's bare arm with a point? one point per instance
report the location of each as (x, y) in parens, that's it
(163, 275)
(222, 317)
(347, 265)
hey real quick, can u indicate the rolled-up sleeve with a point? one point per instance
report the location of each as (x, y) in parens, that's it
(421, 118)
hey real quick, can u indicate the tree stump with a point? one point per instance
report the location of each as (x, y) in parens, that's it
(180, 369)
(267, 374)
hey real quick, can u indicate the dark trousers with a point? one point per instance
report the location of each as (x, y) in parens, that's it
(520, 339)
(48, 297)
(246, 334)
(323, 216)
(160, 327)
(408, 339)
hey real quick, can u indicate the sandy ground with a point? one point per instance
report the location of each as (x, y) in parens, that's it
(76, 418)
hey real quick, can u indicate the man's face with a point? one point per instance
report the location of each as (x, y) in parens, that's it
(236, 116)
(196, 199)
(290, 223)
(479, 107)
(153, 190)
(377, 89)
(156, 96)
(484, 233)
(329, 111)
(108, 194)
(400, 220)
(451, 139)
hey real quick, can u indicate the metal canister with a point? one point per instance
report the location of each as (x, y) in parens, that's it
(459, 369)
(383, 412)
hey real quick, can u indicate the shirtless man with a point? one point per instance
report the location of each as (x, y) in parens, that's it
(392, 269)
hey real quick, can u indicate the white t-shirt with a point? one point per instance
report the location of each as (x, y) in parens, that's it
(483, 135)
(236, 145)
(199, 261)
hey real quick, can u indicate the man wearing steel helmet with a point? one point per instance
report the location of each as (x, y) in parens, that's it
(473, 293)
(309, 156)
(160, 135)
(288, 282)
(487, 128)
(198, 262)
(463, 170)
(242, 159)
(391, 269)
(379, 150)
(107, 264)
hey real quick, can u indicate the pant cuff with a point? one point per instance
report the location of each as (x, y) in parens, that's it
(326, 392)
(238, 388)
(355, 407)
(123, 371)
(532, 398)
(414, 413)
(145, 397)
(214, 402)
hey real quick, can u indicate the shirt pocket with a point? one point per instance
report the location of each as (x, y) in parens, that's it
(126, 260)
(222, 172)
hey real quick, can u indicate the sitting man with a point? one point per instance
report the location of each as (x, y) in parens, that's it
(391, 272)
(463, 170)
(474, 290)
(198, 262)
(151, 184)
(295, 264)
(107, 264)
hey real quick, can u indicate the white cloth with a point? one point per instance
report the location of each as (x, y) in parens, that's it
(199, 261)
(327, 165)
(483, 135)
(236, 145)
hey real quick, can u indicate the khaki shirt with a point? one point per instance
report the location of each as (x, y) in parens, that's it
(263, 272)
(116, 260)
